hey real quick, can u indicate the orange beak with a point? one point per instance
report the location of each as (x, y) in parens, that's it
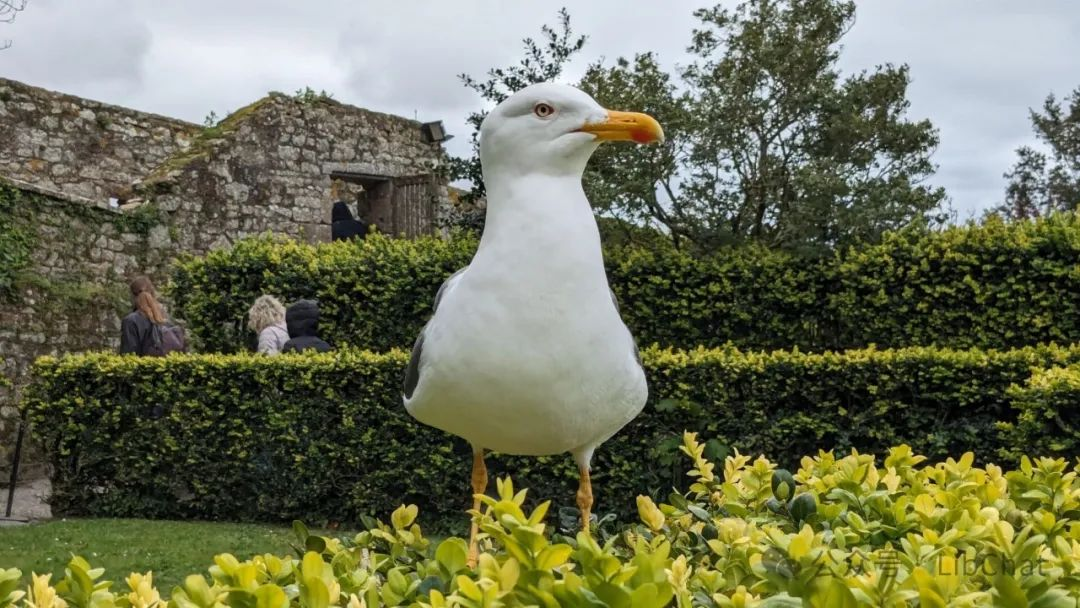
(626, 126)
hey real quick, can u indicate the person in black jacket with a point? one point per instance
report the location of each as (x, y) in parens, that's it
(343, 226)
(137, 327)
(302, 319)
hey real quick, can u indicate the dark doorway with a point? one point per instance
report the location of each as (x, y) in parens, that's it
(370, 195)
(402, 206)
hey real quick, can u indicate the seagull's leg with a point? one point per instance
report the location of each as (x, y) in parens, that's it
(583, 458)
(479, 485)
(585, 498)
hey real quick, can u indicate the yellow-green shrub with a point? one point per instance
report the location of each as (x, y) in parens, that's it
(841, 532)
(246, 437)
(1049, 413)
(990, 286)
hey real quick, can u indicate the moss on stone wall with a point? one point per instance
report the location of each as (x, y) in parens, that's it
(20, 238)
(201, 146)
(16, 240)
(70, 294)
(139, 220)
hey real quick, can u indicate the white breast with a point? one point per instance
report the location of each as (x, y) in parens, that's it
(527, 353)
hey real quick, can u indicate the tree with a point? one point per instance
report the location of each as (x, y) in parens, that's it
(770, 144)
(633, 183)
(543, 62)
(8, 10)
(766, 140)
(1040, 184)
(790, 153)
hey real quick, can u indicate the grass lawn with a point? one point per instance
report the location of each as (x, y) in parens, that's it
(171, 549)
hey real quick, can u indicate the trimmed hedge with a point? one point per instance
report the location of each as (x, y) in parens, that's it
(995, 286)
(326, 438)
(1049, 413)
(374, 294)
(990, 286)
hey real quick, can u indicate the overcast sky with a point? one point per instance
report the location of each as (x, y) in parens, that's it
(977, 65)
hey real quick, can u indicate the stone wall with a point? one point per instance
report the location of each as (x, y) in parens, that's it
(270, 167)
(81, 147)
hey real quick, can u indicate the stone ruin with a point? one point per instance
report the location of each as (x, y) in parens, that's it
(110, 193)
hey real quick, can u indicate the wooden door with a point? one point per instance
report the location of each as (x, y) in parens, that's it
(414, 205)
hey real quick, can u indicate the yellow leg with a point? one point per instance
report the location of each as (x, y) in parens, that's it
(479, 485)
(585, 499)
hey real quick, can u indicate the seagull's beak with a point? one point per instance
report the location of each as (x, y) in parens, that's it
(626, 126)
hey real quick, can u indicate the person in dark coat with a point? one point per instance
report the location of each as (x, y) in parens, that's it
(343, 226)
(302, 319)
(136, 328)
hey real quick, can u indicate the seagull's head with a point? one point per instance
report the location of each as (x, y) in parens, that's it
(554, 129)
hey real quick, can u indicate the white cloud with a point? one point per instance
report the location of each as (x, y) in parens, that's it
(976, 68)
(976, 65)
(95, 50)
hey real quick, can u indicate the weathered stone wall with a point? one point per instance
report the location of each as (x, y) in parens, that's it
(270, 168)
(81, 147)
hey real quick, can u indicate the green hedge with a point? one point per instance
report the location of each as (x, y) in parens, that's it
(1049, 408)
(375, 294)
(326, 437)
(996, 286)
(988, 286)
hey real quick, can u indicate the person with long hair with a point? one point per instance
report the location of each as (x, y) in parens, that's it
(266, 318)
(137, 330)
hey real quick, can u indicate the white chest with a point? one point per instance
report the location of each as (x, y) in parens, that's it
(527, 353)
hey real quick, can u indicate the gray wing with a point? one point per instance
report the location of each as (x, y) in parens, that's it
(637, 353)
(447, 283)
(412, 372)
(615, 301)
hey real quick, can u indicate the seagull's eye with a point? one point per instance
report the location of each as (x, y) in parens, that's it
(543, 110)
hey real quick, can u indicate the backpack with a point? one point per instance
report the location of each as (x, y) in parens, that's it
(165, 339)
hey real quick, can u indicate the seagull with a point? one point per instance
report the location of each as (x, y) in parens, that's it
(526, 352)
